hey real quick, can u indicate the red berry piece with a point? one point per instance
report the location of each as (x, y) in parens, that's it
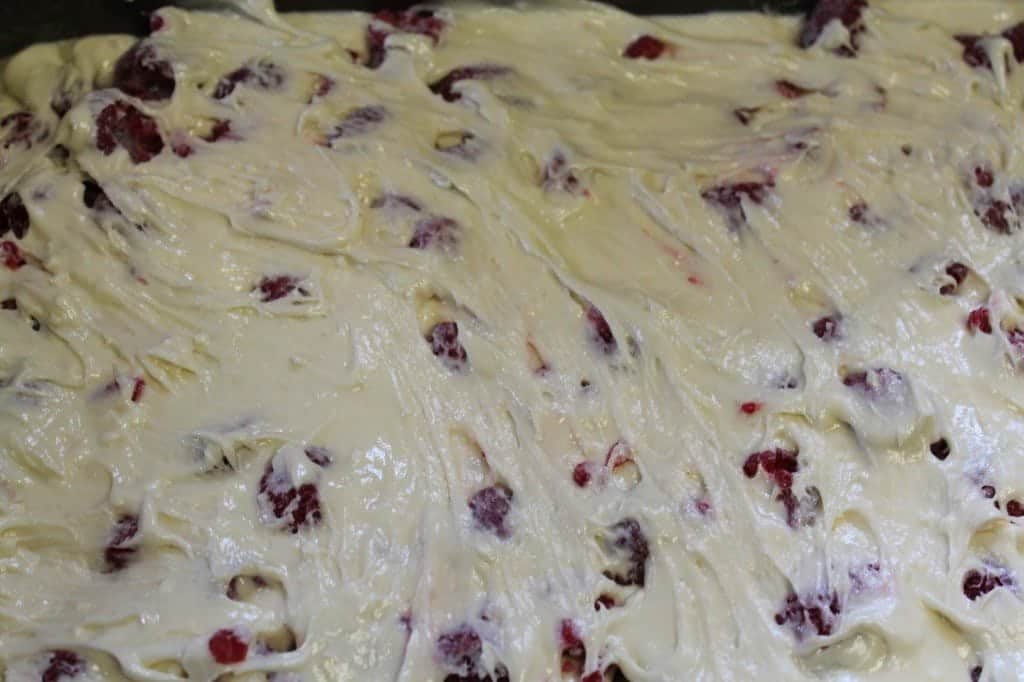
(863, 214)
(574, 653)
(421, 21)
(444, 344)
(813, 614)
(220, 129)
(396, 201)
(94, 197)
(156, 22)
(978, 319)
(322, 85)
(9, 304)
(121, 124)
(1015, 508)
(581, 474)
(828, 328)
(459, 651)
(974, 55)
(751, 407)
(745, 114)
(875, 383)
(116, 555)
(791, 90)
(600, 331)
(359, 122)
(318, 455)
(645, 47)
(138, 389)
(983, 176)
(997, 215)
(140, 73)
(436, 232)
(13, 216)
(445, 86)
(940, 449)
(62, 664)
(627, 546)
(728, 199)
(559, 175)
(490, 508)
(977, 583)
(284, 505)
(605, 601)
(847, 12)
(275, 287)
(958, 271)
(262, 74)
(988, 491)
(1015, 35)
(11, 255)
(227, 646)
(976, 673)
(23, 129)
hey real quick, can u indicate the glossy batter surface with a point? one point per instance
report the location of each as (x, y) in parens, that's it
(531, 344)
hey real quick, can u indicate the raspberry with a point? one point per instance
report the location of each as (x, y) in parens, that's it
(139, 73)
(848, 12)
(817, 611)
(13, 216)
(62, 663)
(490, 508)
(227, 647)
(645, 47)
(627, 545)
(122, 124)
(262, 74)
(444, 344)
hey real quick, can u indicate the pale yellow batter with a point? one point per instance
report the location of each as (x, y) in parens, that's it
(529, 344)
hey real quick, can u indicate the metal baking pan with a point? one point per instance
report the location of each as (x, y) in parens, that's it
(33, 21)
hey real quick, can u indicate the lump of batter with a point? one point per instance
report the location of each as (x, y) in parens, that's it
(532, 344)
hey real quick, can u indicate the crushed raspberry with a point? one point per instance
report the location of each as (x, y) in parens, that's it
(875, 383)
(958, 271)
(791, 90)
(978, 319)
(814, 614)
(21, 128)
(581, 474)
(9, 304)
(122, 124)
(645, 47)
(94, 197)
(276, 287)
(227, 646)
(988, 491)
(11, 255)
(940, 449)
(323, 85)
(139, 73)
(828, 328)
(138, 389)
(420, 21)
(574, 653)
(751, 407)
(780, 466)
(359, 122)
(861, 213)
(445, 85)
(116, 556)
(459, 651)
(182, 149)
(627, 546)
(444, 344)
(978, 583)
(600, 331)
(848, 12)
(997, 215)
(13, 216)
(436, 232)
(262, 74)
(605, 601)
(62, 663)
(559, 175)
(745, 114)
(976, 673)
(975, 55)
(1015, 508)
(728, 199)
(490, 508)
(296, 508)
(983, 176)
(221, 128)
(156, 22)
(396, 201)
(318, 455)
